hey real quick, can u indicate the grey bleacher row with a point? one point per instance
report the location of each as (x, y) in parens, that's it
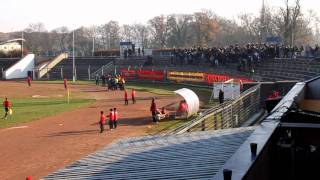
(82, 65)
(268, 70)
(287, 69)
(197, 155)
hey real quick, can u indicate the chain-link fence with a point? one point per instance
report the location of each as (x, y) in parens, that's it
(227, 115)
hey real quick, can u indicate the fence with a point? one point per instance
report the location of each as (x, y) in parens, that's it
(227, 115)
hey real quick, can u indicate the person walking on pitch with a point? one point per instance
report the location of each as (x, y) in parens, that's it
(133, 95)
(126, 102)
(115, 118)
(6, 105)
(111, 120)
(102, 121)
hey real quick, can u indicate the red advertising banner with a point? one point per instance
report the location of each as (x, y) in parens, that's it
(150, 75)
(128, 74)
(211, 78)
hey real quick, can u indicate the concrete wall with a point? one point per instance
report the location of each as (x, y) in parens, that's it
(21, 68)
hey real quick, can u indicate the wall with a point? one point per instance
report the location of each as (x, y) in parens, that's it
(21, 68)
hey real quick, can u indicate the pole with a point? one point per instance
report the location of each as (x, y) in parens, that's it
(22, 44)
(73, 60)
(89, 72)
(92, 46)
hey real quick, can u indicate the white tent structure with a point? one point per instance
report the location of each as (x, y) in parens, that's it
(191, 99)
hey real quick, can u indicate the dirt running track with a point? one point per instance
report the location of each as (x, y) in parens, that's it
(43, 146)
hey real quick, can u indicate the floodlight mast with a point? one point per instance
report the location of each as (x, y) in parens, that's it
(73, 60)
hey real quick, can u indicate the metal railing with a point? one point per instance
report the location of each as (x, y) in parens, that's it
(103, 70)
(230, 114)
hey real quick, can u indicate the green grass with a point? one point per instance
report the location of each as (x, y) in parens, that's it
(167, 125)
(78, 82)
(26, 110)
(167, 89)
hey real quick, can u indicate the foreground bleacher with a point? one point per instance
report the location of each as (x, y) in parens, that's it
(197, 155)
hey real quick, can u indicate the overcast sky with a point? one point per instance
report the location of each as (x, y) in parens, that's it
(17, 14)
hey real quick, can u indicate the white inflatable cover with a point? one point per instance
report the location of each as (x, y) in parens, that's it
(191, 99)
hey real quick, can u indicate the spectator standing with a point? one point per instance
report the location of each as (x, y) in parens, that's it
(153, 109)
(221, 96)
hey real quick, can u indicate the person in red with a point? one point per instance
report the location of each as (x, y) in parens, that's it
(6, 105)
(126, 102)
(153, 109)
(29, 81)
(111, 120)
(183, 109)
(115, 118)
(133, 95)
(102, 121)
(65, 83)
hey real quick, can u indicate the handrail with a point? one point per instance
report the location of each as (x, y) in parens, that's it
(44, 70)
(214, 110)
(103, 68)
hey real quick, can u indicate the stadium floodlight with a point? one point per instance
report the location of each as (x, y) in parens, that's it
(22, 44)
(73, 60)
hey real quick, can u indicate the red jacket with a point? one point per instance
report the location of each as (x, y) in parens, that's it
(133, 93)
(153, 107)
(29, 79)
(125, 95)
(65, 82)
(115, 116)
(102, 119)
(6, 104)
(111, 116)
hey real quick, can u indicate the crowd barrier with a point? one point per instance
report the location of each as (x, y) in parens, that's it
(178, 76)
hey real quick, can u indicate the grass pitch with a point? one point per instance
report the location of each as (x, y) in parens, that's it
(26, 109)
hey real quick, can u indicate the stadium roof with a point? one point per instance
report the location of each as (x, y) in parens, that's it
(197, 155)
(12, 40)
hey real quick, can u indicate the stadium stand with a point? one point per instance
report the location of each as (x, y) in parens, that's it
(288, 69)
(5, 63)
(197, 155)
(64, 68)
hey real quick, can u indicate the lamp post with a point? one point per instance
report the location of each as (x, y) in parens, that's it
(92, 46)
(22, 44)
(73, 60)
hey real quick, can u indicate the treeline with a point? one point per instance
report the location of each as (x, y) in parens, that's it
(180, 31)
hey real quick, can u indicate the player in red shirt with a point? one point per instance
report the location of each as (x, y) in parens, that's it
(102, 121)
(126, 102)
(133, 95)
(111, 120)
(6, 105)
(29, 81)
(65, 83)
(153, 109)
(115, 118)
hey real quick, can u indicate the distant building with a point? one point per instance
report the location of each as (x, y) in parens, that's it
(11, 45)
